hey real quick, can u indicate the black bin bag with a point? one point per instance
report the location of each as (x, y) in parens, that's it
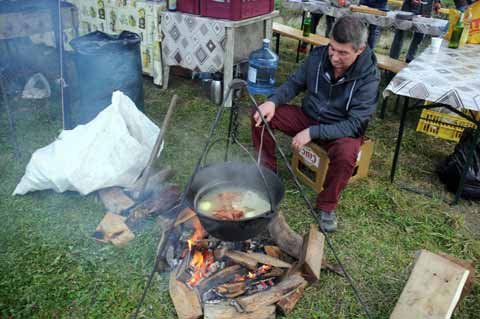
(451, 169)
(105, 63)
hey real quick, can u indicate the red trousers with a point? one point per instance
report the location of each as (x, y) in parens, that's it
(342, 152)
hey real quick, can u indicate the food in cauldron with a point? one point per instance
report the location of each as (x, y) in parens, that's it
(233, 203)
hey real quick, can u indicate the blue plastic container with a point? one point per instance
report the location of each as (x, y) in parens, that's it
(262, 65)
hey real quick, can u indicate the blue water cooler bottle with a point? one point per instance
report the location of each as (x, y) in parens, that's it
(262, 65)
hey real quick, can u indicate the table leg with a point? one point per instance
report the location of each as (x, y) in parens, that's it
(228, 64)
(399, 140)
(470, 153)
(268, 23)
(166, 75)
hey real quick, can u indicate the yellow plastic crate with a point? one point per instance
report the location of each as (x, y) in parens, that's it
(445, 126)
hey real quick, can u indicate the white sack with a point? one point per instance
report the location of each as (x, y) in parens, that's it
(111, 150)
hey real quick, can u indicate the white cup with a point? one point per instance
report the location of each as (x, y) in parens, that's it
(436, 44)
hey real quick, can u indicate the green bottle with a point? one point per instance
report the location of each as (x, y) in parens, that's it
(456, 33)
(307, 25)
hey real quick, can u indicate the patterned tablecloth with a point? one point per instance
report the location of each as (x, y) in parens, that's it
(431, 26)
(199, 43)
(139, 16)
(451, 76)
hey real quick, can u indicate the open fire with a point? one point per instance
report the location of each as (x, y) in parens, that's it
(250, 279)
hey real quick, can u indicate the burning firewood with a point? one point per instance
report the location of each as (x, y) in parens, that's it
(242, 258)
(268, 297)
(232, 290)
(185, 215)
(269, 260)
(273, 251)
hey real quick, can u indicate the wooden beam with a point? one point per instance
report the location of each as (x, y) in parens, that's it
(433, 289)
(269, 260)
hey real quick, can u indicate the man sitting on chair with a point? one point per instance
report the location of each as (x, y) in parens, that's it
(341, 83)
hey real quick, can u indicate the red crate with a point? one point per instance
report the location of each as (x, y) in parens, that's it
(235, 9)
(189, 6)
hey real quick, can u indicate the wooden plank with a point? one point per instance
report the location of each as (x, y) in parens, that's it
(313, 253)
(387, 63)
(433, 289)
(368, 10)
(186, 301)
(297, 34)
(224, 310)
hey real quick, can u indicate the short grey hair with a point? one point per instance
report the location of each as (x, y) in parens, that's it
(350, 29)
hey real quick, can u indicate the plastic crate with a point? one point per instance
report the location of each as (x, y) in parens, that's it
(445, 126)
(235, 9)
(189, 6)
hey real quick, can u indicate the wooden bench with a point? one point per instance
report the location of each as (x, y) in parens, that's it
(384, 62)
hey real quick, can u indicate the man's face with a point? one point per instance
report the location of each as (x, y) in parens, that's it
(342, 55)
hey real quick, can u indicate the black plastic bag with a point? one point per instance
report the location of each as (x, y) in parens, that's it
(106, 63)
(451, 169)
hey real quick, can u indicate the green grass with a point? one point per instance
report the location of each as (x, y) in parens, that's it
(51, 268)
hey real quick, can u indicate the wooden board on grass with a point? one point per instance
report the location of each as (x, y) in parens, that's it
(433, 289)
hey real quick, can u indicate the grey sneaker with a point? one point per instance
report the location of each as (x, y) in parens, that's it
(328, 221)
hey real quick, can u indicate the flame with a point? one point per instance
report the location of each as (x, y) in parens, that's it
(263, 269)
(189, 245)
(251, 275)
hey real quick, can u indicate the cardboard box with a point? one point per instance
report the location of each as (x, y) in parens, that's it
(311, 164)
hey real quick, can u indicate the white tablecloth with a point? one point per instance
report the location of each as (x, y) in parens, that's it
(451, 76)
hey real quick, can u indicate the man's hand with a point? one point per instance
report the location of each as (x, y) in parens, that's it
(301, 139)
(268, 111)
(436, 7)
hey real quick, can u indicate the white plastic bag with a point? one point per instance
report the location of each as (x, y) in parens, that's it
(111, 150)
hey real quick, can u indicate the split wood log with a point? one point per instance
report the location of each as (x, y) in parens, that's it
(165, 200)
(224, 310)
(335, 268)
(186, 301)
(242, 258)
(221, 277)
(274, 272)
(289, 241)
(313, 253)
(269, 260)
(273, 251)
(185, 215)
(433, 289)
(115, 200)
(264, 298)
(286, 304)
(232, 290)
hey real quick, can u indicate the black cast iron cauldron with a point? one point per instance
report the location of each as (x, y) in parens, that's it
(238, 174)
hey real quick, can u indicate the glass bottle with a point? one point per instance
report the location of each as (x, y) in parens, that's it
(307, 25)
(172, 5)
(456, 33)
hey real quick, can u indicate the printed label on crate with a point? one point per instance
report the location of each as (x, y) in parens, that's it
(309, 156)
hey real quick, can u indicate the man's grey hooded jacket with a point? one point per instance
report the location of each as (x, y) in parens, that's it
(344, 107)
